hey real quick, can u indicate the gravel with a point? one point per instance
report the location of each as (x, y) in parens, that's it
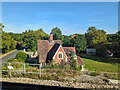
(61, 84)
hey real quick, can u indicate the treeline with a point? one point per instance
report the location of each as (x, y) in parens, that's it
(28, 39)
(94, 38)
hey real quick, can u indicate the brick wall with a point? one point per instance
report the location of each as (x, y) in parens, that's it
(56, 56)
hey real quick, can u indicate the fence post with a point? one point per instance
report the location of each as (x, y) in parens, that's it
(10, 70)
(40, 70)
(24, 68)
(102, 74)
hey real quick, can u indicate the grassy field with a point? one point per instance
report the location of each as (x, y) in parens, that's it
(101, 64)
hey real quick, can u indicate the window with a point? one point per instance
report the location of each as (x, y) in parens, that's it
(60, 55)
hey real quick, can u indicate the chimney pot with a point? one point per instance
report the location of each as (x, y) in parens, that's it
(50, 38)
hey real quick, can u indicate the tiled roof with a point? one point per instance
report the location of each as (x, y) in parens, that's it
(52, 52)
(80, 61)
(44, 47)
(68, 49)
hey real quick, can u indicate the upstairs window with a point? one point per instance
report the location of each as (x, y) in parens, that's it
(60, 55)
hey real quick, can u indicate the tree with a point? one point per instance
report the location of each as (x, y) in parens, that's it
(91, 29)
(72, 62)
(22, 56)
(8, 43)
(66, 41)
(79, 42)
(96, 39)
(30, 40)
(1, 25)
(30, 37)
(57, 33)
(113, 43)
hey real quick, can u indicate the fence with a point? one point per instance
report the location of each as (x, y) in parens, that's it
(36, 69)
(22, 68)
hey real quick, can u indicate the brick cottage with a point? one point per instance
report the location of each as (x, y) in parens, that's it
(50, 49)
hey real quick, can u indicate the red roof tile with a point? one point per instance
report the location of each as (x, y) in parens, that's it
(80, 61)
(68, 49)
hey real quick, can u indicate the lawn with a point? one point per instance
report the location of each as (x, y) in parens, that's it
(99, 64)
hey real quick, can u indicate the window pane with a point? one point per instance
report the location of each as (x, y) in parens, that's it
(60, 56)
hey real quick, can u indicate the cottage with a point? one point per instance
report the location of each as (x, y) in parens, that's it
(50, 49)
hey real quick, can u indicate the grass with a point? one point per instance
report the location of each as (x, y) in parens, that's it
(59, 73)
(100, 64)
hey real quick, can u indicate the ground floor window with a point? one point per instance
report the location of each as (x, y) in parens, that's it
(60, 55)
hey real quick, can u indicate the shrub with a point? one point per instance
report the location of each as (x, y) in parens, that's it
(22, 56)
(73, 64)
(93, 74)
(112, 76)
(10, 60)
(72, 61)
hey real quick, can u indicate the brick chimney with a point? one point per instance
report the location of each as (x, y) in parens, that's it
(50, 38)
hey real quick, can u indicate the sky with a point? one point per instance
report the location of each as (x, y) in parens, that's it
(70, 17)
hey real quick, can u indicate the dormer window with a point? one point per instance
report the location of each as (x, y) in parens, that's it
(60, 55)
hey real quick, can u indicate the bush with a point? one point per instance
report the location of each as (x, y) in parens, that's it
(73, 64)
(22, 56)
(93, 74)
(112, 75)
(10, 60)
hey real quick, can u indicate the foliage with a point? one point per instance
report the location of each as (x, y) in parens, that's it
(72, 62)
(96, 39)
(113, 43)
(52, 65)
(30, 38)
(1, 25)
(93, 74)
(66, 41)
(79, 42)
(112, 76)
(8, 43)
(57, 33)
(22, 56)
(11, 60)
(91, 29)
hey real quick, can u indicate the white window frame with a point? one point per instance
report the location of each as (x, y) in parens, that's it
(60, 53)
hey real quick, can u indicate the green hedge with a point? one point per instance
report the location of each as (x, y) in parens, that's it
(22, 56)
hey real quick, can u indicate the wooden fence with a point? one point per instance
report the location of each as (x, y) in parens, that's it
(10, 68)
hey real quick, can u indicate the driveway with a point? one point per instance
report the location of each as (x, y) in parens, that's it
(10, 55)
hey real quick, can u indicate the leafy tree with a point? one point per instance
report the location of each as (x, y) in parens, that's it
(113, 43)
(79, 42)
(72, 62)
(57, 33)
(40, 34)
(97, 39)
(30, 37)
(22, 56)
(91, 29)
(8, 43)
(1, 25)
(30, 40)
(66, 41)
